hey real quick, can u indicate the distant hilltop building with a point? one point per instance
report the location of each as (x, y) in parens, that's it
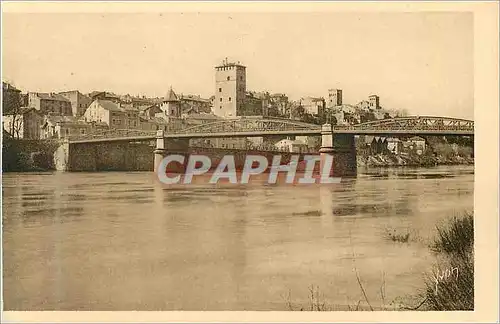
(312, 105)
(374, 101)
(230, 89)
(334, 98)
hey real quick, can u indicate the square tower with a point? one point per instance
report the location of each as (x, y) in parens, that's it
(334, 98)
(230, 89)
(374, 101)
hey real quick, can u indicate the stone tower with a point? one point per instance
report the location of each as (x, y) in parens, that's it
(230, 89)
(171, 104)
(334, 98)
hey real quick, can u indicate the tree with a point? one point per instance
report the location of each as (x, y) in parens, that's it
(13, 123)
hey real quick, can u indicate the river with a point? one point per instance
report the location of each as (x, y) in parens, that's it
(119, 241)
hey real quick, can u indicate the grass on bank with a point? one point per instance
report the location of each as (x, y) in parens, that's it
(456, 237)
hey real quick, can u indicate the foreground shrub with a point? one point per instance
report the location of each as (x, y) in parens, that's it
(456, 237)
(451, 286)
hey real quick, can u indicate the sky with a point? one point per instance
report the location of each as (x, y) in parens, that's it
(420, 62)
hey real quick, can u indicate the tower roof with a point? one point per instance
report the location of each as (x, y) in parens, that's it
(171, 96)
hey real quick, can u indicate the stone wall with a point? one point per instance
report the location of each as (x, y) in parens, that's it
(111, 156)
(20, 155)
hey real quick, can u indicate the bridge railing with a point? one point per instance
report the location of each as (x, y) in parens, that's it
(395, 127)
(114, 133)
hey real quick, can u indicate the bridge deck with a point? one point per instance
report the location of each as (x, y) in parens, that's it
(252, 127)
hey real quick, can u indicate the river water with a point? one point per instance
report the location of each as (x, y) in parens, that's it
(119, 241)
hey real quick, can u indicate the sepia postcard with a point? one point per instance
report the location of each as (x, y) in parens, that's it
(250, 162)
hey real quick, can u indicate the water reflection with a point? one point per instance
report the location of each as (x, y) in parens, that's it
(122, 241)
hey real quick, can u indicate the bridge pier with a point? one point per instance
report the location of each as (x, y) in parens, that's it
(160, 150)
(343, 149)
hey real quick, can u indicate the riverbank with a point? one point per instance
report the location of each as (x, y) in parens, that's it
(28, 155)
(391, 160)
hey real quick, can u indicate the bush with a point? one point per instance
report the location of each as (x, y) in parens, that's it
(451, 286)
(456, 237)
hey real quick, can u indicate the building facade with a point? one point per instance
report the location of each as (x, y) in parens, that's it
(230, 89)
(47, 103)
(60, 127)
(79, 102)
(334, 98)
(171, 105)
(11, 98)
(374, 101)
(115, 115)
(194, 104)
(313, 106)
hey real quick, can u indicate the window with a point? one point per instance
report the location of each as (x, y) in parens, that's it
(82, 131)
(220, 107)
(220, 99)
(229, 99)
(241, 78)
(228, 78)
(220, 89)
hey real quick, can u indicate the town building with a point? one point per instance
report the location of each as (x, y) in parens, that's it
(52, 102)
(254, 105)
(279, 105)
(224, 142)
(289, 145)
(417, 144)
(394, 145)
(230, 90)
(137, 101)
(115, 115)
(79, 102)
(194, 119)
(374, 101)
(149, 111)
(334, 98)
(153, 124)
(364, 105)
(60, 127)
(310, 141)
(375, 144)
(11, 98)
(313, 106)
(24, 124)
(171, 106)
(194, 104)
(104, 95)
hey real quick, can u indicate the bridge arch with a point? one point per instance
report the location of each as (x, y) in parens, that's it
(246, 125)
(413, 123)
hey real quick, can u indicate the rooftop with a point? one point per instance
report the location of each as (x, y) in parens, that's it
(112, 106)
(226, 63)
(51, 96)
(171, 96)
